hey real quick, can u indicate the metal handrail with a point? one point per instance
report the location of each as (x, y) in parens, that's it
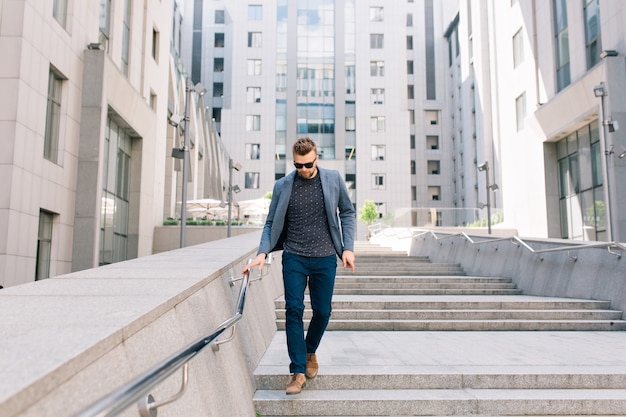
(119, 400)
(520, 242)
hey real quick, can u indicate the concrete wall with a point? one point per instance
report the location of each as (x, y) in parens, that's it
(591, 273)
(69, 340)
(168, 237)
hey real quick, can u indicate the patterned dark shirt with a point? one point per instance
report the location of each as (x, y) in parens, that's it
(307, 226)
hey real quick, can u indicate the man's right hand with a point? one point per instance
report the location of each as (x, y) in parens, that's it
(258, 261)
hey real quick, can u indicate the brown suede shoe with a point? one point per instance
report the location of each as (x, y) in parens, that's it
(297, 382)
(311, 365)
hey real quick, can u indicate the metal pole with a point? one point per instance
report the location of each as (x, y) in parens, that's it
(488, 199)
(605, 171)
(183, 198)
(230, 193)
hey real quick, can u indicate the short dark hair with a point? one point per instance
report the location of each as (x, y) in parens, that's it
(303, 146)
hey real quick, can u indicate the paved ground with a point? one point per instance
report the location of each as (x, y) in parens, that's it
(371, 352)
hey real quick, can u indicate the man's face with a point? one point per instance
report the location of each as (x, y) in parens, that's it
(306, 164)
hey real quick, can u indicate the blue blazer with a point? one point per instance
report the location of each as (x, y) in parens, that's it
(340, 212)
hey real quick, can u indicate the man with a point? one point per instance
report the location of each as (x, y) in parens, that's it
(312, 219)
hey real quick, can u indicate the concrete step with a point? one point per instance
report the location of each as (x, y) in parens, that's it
(387, 265)
(413, 278)
(413, 377)
(393, 259)
(415, 271)
(471, 325)
(395, 374)
(436, 291)
(467, 314)
(468, 302)
(463, 313)
(382, 285)
(412, 402)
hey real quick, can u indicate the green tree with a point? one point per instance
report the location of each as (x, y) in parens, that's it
(368, 214)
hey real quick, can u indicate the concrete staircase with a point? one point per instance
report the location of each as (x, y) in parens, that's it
(434, 366)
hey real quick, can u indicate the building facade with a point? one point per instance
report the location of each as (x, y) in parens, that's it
(364, 80)
(557, 142)
(440, 112)
(88, 89)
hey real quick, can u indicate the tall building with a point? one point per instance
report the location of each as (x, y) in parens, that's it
(557, 143)
(438, 111)
(442, 113)
(86, 172)
(364, 80)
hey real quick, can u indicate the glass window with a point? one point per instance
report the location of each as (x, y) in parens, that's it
(105, 18)
(410, 91)
(253, 123)
(561, 44)
(376, 14)
(218, 90)
(409, 42)
(592, 32)
(255, 12)
(409, 67)
(518, 48)
(219, 40)
(253, 180)
(44, 245)
(378, 152)
(155, 44)
(218, 64)
(255, 40)
(254, 67)
(377, 123)
(219, 17)
(434, 193)
(115, 194)
(433, 167)
(350, 79)
(377, 40)
(378, 181)
(253, 151)
(432, 142)
(377, 96)
(409, 20)
(520, 111)
(581, 192)
(59, 11)
(432, 117)
(253, 94)
(53, 117)
(350, 123)
(216, 114)
(377, 68)
(126, 37)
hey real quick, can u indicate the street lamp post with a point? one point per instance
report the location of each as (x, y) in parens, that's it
(236, 167)
(485, 167)
(183, 153)
(183, 196)
(600, 91)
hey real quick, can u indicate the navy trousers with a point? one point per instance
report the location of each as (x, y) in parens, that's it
(319, 273)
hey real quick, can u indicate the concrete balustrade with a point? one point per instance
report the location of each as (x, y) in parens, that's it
(591, 273)
(69, 340)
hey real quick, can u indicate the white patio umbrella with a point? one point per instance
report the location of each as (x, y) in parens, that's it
(203, 206)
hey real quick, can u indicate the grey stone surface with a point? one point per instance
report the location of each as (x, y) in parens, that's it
(68, 341)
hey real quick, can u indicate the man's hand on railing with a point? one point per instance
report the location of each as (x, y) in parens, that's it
(258, 261)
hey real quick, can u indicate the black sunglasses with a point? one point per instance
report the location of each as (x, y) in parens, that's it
(305, 165)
